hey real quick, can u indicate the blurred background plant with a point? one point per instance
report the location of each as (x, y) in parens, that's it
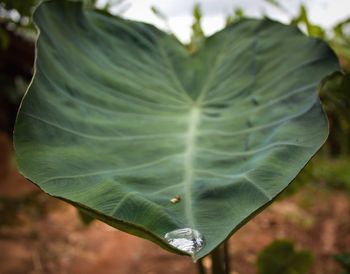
(281, 257)
(16, 55)
(344, 260)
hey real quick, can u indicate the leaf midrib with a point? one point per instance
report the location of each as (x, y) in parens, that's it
(190, 149)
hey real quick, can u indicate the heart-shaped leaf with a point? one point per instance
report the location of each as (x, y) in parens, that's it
(122, 122)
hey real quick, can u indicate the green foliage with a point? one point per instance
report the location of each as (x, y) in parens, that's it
(237, 15)
(335, 94)
(332, 171)
(24, 7)
(159, 13)
(344, 260)
(303, 20)
(197, 37)
(89, 3)
(197, 34)
(141, 121)
(281, 257)
(4, 40)
(161, 16)
(273, 2)
(335, 172)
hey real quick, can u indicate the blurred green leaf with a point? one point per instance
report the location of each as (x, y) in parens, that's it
(280, 257)
(303, 20)
(273, 2)
(4, 39)
(159, 13)
(334, 172)
(197, 37)
(24, 7)
(237, 15)
(335, 95)
(344, 260)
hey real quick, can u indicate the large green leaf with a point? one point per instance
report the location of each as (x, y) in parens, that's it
(120, 119)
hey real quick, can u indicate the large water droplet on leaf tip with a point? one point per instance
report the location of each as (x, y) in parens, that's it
(185, 239)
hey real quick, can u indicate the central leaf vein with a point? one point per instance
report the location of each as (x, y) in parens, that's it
(190, 148)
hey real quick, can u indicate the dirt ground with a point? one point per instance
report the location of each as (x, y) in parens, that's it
(39, 234)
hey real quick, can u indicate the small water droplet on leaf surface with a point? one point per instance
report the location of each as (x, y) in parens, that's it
(185, 239)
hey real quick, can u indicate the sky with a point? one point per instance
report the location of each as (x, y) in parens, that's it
(323, 12)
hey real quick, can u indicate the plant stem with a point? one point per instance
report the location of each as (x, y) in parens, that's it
(218, 261)
(227, 257)
(200, 267)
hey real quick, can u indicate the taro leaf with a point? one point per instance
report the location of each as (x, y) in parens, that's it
(120, 118)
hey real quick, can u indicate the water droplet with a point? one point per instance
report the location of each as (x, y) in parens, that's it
(185, 239)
